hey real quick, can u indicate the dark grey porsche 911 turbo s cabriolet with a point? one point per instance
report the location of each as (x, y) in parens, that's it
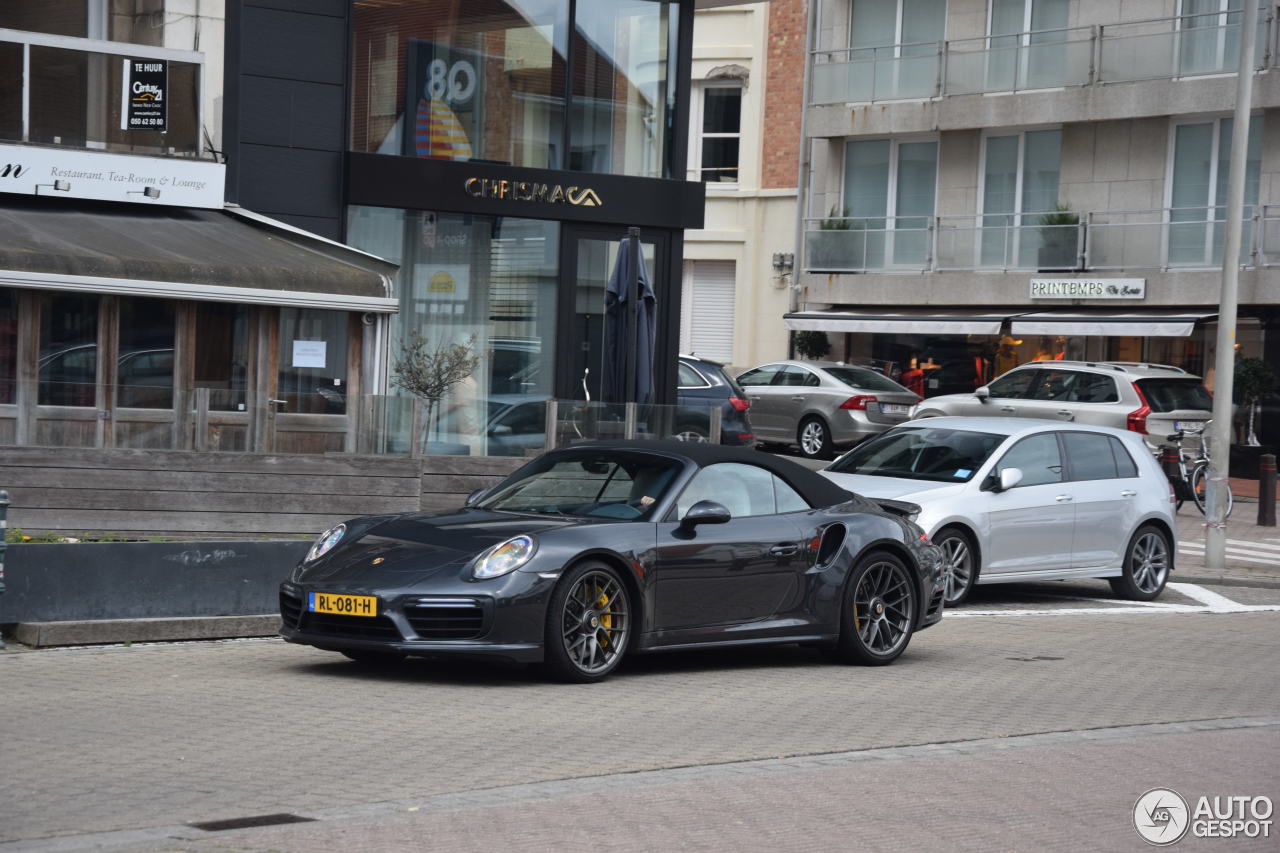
(594, 551)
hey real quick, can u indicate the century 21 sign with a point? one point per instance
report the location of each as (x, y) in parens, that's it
(530, 191)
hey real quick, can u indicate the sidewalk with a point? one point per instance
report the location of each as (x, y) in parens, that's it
(1252, 553)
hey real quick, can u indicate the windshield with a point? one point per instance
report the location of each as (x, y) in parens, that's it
(921, 453)
(1171, 395)
(864, 379)
(591, 484)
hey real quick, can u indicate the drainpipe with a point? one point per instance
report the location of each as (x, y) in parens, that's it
(806, 148)
(4, 530)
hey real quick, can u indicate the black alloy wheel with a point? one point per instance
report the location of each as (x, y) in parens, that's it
(588, 623)
(1146, 565)
(814, 438)
(879, 612)
(960, 558)
(692, 433)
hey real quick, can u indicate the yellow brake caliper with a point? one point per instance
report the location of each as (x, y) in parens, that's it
(606, 620)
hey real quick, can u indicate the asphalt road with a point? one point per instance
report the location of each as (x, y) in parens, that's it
(1030, 719)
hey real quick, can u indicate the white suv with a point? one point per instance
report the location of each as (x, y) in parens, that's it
(1154, 400)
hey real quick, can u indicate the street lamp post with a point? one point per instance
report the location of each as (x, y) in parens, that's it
(1215, 546)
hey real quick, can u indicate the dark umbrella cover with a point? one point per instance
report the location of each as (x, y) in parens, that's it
(617, 298)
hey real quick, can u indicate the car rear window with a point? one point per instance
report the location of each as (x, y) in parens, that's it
(716, 372)
(862, 378)
(1171, 395)
(921, 453)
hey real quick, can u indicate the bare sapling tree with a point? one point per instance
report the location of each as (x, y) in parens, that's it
(429, 371)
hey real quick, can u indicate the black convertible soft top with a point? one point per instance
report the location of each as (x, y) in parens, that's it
(813, 487)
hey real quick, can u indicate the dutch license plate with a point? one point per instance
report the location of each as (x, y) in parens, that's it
(343, 605)
(895, 408)
(1191, 425)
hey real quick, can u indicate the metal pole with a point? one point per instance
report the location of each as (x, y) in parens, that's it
(633, 305)
(4, 533)
(1215, 546)
(1267, 490)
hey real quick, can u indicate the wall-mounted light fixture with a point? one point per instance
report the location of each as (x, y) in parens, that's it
(60, 186)
(783, 261)
(147, 191)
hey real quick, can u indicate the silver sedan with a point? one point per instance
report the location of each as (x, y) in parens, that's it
(822, 405)
(1010, 499)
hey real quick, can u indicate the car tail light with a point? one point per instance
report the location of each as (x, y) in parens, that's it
(746, 436)
(1137, 419)
(858, 402)
(740, 404)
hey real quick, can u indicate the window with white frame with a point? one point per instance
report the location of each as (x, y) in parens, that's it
(715, 150)
(1197, 188)
(1027, 44)
(899, 38)
(890, 187)
(1019, 191)
(1209, 36)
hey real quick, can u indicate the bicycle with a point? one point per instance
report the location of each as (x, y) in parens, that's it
(1191, 483)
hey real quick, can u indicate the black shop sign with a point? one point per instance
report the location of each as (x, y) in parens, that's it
(145, 98)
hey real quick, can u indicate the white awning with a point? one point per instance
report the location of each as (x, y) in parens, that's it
(923, 322)
(1107, 325)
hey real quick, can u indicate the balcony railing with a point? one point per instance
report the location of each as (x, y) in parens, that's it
(1053, 241)
(61, 90)
(1161, 48)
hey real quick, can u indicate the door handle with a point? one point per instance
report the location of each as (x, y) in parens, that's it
(1066, 414)
(1062, 499)
(784, 549)
(1128, 493)
(1008, 409)
(797, 399)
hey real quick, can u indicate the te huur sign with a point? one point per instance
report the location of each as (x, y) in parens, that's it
(144, 99)
(1088, 288)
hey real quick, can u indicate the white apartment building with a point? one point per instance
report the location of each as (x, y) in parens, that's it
(994, 181)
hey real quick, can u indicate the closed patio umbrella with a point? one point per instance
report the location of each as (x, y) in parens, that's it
(630, 307)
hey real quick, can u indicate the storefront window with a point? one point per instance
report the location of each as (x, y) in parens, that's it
(144, 366)
(487, 282)
(475, 81)
(489, 82)
(313, 361)
(222, 354)
(68, 350)
(8, 344)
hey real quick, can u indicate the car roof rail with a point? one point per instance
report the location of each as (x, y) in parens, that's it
(1148, 365)
(1104, 364)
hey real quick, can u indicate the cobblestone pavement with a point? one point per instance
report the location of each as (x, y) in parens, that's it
(101, 739)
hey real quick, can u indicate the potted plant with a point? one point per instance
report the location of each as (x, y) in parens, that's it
(429, 372)
(812, 345)
(833, 246)
(1058, 239)
(1254, 381)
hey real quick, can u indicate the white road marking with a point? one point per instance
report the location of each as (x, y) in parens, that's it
(1262, 558)
(1210, 602)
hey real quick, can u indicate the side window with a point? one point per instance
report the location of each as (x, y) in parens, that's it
(690, 378)
(1037, 457)
(1013, 384)
(1053, 384)
(787, 498)
(1093, 388)
(1125, 466)
(794, 376)
(1090, 455)
(744, 490)
(759, 376)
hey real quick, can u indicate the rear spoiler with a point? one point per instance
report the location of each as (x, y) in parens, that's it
(905, 509)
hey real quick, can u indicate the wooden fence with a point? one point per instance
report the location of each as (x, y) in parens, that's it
(135, 494)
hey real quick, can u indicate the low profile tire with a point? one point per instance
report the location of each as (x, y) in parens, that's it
(1146, 565)
(961, 558)
(588, 624)
(814, 438)
(370, 658)
(878, 614)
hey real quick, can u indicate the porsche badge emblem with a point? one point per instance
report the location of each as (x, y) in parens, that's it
(379, 560)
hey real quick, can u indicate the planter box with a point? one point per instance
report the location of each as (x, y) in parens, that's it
(1244, 460)
(145, 580)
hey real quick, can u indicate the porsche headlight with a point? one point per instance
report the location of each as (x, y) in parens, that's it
(504, 558)
(325, 542)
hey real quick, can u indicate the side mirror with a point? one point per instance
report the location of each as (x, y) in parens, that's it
(1009, 477)
(474, 497)
(982, 393)
(705, 512)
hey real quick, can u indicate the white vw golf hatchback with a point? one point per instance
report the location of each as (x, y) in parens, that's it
(1019, 500)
